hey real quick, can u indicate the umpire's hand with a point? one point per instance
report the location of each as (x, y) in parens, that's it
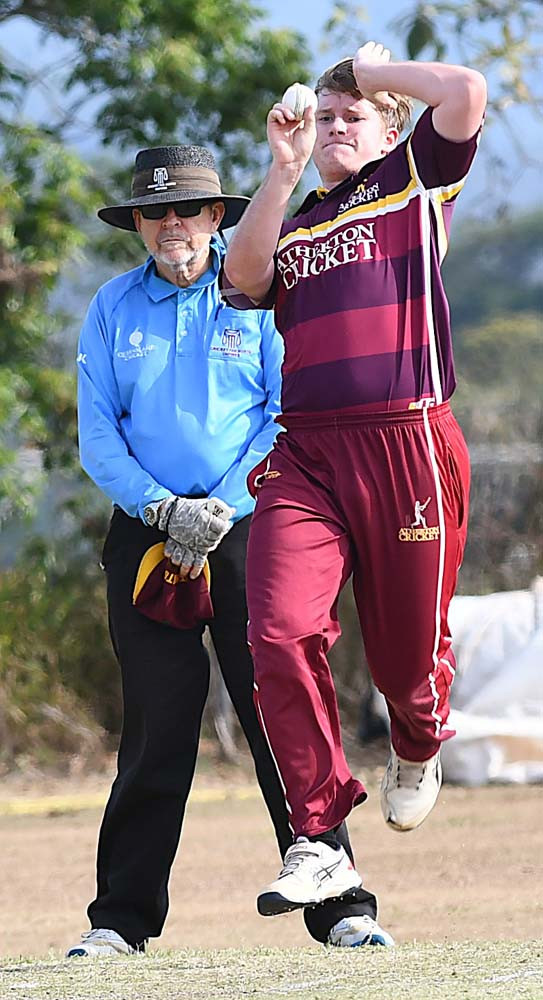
(197, 524)
(195, 528)
(189, 562)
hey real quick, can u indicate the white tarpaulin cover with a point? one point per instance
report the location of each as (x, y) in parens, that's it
(497, 695)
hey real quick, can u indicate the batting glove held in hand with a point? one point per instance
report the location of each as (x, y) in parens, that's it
(196, 524)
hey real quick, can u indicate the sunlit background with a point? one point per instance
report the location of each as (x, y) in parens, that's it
(80, 92)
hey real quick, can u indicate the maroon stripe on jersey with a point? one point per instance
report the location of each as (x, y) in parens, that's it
(342, 289)
(362, 332)
(378, 379)
(326, 418)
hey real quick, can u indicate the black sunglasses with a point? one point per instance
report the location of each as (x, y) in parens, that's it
(183, 209)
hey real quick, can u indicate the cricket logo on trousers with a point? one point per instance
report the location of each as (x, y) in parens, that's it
(418, 530)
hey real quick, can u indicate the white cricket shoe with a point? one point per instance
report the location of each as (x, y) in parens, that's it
(312, 873)
(101, 942)
(409, 790)
(353, 932)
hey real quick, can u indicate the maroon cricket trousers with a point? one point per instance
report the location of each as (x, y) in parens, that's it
(383, 497)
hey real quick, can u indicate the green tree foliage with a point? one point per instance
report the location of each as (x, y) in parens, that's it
(174, 70)
(58, 682)
(494, 281)
(500, 391)
(495, 268)
(503, 39)
(42, 188)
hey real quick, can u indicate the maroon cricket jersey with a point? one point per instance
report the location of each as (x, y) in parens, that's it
(358, 293)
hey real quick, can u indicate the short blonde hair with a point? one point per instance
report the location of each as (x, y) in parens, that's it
(340, 79)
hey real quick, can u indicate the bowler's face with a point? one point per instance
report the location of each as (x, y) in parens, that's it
(350, 133)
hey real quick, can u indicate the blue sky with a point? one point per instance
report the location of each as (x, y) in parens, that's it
(309, 17)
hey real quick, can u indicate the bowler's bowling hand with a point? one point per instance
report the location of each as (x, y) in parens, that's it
(291, 127)
(368, 58)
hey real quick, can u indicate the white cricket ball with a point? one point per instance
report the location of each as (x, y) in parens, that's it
(298, 97)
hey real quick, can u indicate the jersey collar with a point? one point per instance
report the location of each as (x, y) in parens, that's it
(321, 194)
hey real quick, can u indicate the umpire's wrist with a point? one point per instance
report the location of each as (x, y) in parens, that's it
(152, 512)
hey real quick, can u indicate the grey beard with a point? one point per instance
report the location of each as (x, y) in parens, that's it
(182, 267)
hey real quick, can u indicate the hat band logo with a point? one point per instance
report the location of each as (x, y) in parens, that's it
(161, 179)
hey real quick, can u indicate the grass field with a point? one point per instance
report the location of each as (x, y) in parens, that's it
(461, 896)
(411, 972)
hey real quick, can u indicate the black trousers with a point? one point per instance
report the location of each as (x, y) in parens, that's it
(165, 680)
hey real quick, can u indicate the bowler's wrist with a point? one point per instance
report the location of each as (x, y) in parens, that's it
(285, 176)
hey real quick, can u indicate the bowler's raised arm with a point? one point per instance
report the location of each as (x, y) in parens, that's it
(249, 261)
(456, 93)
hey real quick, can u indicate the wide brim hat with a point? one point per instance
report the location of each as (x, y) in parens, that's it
(174, 173)
(161, 594)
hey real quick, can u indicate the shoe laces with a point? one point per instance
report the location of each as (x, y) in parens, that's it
(297, 854)
(410, 774)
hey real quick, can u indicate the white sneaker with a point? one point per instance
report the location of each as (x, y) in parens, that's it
(312, 873)
(353, 932)
(101, 942)
(409, 790)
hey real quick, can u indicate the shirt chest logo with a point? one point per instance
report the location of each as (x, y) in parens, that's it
(231, 344)
(138, 349)
(352, 243)
(361, 196)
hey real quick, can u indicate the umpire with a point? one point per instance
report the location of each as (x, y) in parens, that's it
(178, 394)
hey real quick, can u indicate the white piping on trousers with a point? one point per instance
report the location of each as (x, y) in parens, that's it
(439, 589)
(445, 728)
(265, 731)
(449, 666)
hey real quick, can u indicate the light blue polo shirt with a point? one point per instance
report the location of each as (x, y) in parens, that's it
(177, 391)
